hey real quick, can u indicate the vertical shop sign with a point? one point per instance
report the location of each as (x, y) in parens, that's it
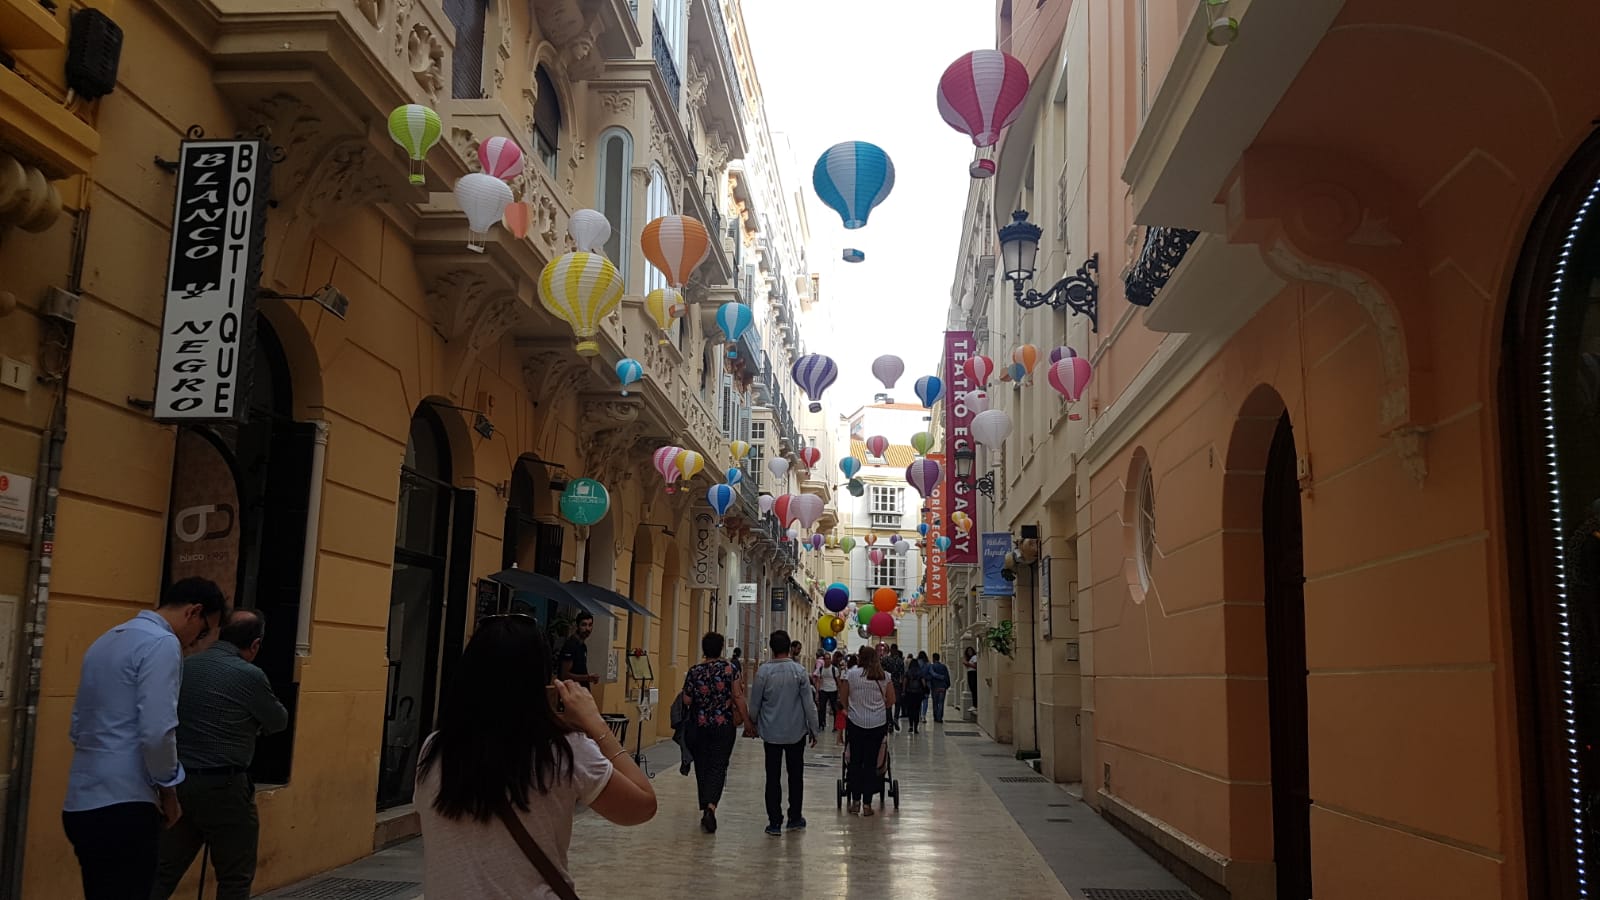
(208, 327)
(959, 492)
(937, 592)
(996, 544)
(705, 570)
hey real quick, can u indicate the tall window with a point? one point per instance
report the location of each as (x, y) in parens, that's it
(1145, 524)
(758, 432)
(466, 64)
(887, 573)
(727, 406)
(547, 121)
(675, 29)
(614, 192)
(888, 506)
(756, 462)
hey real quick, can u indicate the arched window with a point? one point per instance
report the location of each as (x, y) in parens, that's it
(613, 193)
(466, 66)
(546, 119)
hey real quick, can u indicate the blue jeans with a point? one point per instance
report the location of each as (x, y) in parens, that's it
(938, 703)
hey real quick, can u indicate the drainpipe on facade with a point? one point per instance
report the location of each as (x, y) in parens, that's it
(308, 561)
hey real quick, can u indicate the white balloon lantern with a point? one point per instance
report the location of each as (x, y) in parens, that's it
(765, 503)
(977, 401)
(991, 426)
(589, 229)
(807, 508)
(484, 199)
(778, 466)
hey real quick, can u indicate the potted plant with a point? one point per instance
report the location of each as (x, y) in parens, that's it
(999, 638)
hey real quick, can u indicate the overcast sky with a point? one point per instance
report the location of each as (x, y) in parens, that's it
(839, 70)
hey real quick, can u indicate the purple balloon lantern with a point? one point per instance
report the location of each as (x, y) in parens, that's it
(923, 475)
(1060, 353)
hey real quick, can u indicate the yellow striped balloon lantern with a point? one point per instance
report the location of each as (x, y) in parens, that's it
(580, 289)
(690, 463)
(662, 305)
(416, 129)
(739, 449)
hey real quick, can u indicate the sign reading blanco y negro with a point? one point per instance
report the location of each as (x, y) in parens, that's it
(208, 329)
(705, 571)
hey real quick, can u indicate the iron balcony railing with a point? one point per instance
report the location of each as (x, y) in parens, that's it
(719, 33)
(1163, 250)
(664, 63)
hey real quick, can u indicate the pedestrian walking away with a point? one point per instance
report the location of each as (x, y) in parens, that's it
(226, 701)
(122, 785)
(922, 659)
(514, 757)
(781, 701)
(915, 685)
(868, 696)
(714, 705)
(939, 682)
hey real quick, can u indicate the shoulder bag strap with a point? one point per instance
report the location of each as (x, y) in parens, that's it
(530, 848)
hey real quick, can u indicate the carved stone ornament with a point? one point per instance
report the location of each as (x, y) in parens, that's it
(502, 54)
(617, 102)
(402, 11)
(466, 144)
(324, 184)
(376, 12)
(472, 314)
(425, 57)
(699, 83)
(293, 127)
(609, 428)
(717, 152)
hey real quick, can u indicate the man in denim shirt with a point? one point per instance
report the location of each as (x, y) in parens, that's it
(781, 704)
(120, 791)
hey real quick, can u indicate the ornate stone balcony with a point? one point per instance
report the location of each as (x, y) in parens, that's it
(1162, 252)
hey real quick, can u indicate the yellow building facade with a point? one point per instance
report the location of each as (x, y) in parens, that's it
(413, 410)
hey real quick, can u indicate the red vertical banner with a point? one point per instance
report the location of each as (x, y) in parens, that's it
(958, 492)
(936, 593)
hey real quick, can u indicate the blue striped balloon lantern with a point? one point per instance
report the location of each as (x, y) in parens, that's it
(922, 528)
(929, 389)
(814, 373)
(849, 466)
(942, 542)
(720, 496)
(735, 475)
(734, 319)
(852, 178)
(628, 371)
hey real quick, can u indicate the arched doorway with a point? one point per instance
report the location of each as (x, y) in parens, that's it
(534, 539)
(1550, 397)
(1287, 714)
(430, 551)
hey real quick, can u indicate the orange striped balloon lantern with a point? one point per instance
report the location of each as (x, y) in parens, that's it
(676, 245)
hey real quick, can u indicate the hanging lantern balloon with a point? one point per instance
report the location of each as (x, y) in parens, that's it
(1060, 353)
(847, 543)
(830, 644)
(501, 157)
(517, 219)
(781, 510)
(888, 370)
(661, 305)
(979, 95)
(977, 401)
(778, 466)
(793, 534)
(807, 508)
(590, 230)
(628, 371)
(942, 542)
(963, 522)
(856, 487)
(849, 466)
(738, 449)
(837, 597)
(922, 442)
(810, 456)
(1016, 372)
(882, 625)
(885, 599)
(1070, 376)
(580, 289)
(929, 387)
(676, 245)
(720, 496)
(735, 475)
(416, 129)
(851, 178)
(922, 528)
(666, 463)
(1006, 375)
(923, 475)
(990, 427)
(979, 368)
(864, 615)
(1026, 356)
(690, 463)
(484, 199)
(878, 445)
(817, 541)
(872, 538)
(875, 555)
(894, 539)
(902, 547)
(734, 319)
(764, 503)
(814, 373)
(852, 255)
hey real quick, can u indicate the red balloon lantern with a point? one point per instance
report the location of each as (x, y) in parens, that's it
(980, 94)
(1070, 376)
(810, 456)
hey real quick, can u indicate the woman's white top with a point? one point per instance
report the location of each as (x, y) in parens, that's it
(830, 681)
(464, 858)
(867, 707)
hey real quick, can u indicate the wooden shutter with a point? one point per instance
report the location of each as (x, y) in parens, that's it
(466, 67)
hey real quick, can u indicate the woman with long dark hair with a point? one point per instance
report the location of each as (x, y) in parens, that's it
(915, 684)
(867, 696)
(514, 756)
(713, 698)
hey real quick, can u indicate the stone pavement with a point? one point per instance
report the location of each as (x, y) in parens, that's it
(960, 832)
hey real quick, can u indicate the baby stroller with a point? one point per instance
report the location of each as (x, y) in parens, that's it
(888, 785)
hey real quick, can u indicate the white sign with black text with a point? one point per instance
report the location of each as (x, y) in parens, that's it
(208, 327)
(705, 568)
(746, 592)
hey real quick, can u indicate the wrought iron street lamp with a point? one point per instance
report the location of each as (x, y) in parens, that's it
(1019, 249)
(964, 458)
(985, 484)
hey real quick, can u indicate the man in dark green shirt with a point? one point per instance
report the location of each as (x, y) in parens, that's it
(225, 702)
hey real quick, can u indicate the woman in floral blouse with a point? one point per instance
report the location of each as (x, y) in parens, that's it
(713, 696)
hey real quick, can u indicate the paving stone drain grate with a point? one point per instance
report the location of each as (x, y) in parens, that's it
(961, 734)
(354, 889)
(1022, 779)
(1133, 894)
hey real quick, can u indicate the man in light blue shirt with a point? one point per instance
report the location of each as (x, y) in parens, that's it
(781, 705)
(125, 740)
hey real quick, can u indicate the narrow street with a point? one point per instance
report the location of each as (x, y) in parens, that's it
(960, 832)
